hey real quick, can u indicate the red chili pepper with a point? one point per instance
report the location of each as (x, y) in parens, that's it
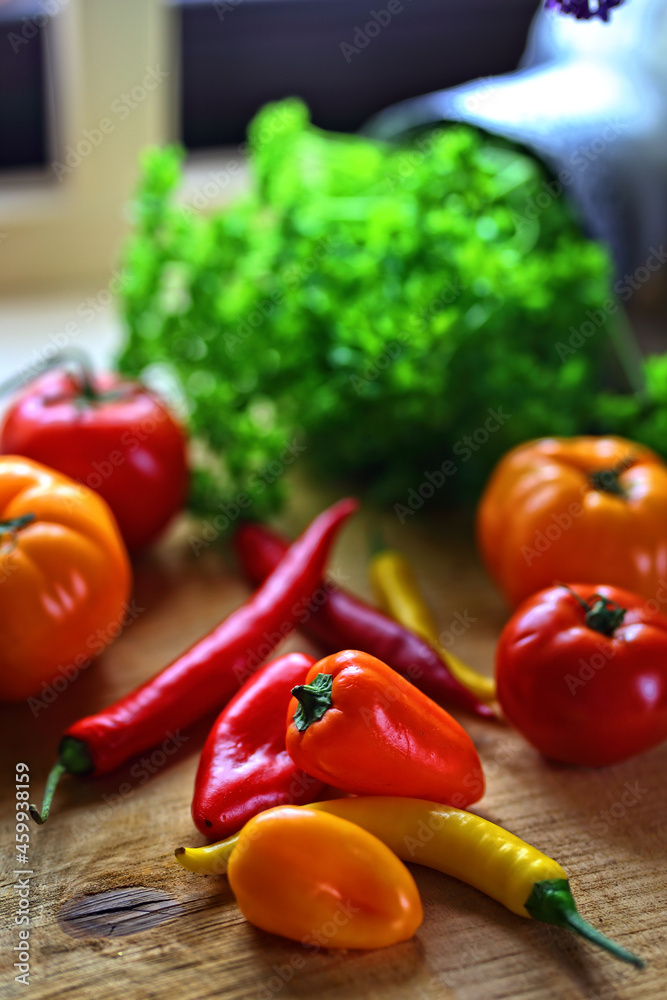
(209, 673)
(343, 621)
(244, 767)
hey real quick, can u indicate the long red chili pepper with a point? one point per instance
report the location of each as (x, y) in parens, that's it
(244, 767)
(337, 620)
(210, 672)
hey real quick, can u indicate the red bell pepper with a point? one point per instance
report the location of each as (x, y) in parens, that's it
(209, 673)
(358, 725)
(244, 767)
(340, 620)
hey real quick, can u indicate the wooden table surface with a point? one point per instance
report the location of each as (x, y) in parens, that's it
(608, 828)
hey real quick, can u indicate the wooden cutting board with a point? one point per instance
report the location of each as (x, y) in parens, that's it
(112, 914)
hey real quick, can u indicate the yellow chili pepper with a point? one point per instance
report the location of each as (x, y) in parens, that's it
(319, 879)
(457, 843)
(398, 595)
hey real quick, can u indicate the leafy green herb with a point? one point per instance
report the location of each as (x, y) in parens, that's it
(373, 303)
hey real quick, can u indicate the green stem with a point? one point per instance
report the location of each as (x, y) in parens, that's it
(55, 774)
(73, 758)
(604, 615)
(607, 481)
(552, 902)
(578, 925)
(314, 700)
(72, 355)
(16, 523)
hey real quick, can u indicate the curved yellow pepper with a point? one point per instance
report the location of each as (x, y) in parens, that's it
(397, 592)
(450, 840)
(457, 843)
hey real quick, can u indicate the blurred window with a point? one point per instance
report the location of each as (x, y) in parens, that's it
(23, 91)
(346, 58)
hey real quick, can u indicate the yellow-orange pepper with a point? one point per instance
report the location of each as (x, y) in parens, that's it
(397, 593)
(323, 881)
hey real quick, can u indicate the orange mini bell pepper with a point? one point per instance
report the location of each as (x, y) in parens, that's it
(322, 880)
(358, 725)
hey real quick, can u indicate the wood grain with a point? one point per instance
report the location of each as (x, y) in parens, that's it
(117, 835)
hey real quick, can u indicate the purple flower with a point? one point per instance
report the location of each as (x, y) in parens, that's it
(585, 9)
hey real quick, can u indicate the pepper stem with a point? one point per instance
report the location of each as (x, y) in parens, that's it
(73, 758)
(578, 925)
(314, 700)
(552, 902)
(12, 528)
(55, 774)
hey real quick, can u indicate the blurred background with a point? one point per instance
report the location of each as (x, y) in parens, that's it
(86, 85)
(193, 72)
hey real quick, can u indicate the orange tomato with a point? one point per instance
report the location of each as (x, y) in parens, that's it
(576, 510)
(64, 577)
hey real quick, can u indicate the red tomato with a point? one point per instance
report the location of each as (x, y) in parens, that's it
(582, 673)
(115, 437)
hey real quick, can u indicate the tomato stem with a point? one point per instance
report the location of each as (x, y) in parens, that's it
(607, 480)
(552, 902)
(73, 355)
(604, 615)
(314, 700)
